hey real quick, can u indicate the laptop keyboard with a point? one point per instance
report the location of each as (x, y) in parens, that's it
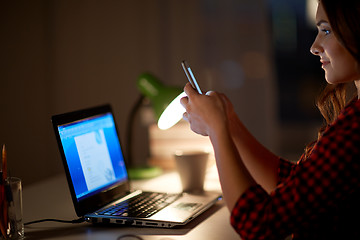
(143, 205)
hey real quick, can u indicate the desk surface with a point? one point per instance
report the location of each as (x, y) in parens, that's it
(51, 199)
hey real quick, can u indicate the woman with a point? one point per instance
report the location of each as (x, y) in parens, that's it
(319, 196)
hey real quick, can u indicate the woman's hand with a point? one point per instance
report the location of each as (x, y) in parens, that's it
(205, 113)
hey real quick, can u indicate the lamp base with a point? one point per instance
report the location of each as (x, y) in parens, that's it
(144, 172)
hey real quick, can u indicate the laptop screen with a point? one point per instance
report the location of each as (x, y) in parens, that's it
(93, 154)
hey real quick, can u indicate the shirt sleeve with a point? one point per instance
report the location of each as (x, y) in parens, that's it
(307, 190)
(284, 169)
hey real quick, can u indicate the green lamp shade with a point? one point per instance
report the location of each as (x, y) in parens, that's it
(165, 100)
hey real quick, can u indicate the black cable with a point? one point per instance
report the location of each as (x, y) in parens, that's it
(79, 220)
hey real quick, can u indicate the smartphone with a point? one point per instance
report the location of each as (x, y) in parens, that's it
(190, 76)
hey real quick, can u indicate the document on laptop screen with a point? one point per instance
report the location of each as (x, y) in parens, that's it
(95, 159)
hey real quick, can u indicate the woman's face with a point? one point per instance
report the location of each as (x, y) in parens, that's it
(339, 65)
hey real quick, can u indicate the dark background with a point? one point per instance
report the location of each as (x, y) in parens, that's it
(63, 55)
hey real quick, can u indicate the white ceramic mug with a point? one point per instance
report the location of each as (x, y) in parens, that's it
(191, 167)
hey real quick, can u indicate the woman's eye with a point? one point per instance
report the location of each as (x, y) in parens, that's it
(325, 31)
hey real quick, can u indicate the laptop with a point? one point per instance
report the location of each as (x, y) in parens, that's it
(97, 176)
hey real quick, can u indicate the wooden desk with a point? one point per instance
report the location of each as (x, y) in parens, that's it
(51, 199)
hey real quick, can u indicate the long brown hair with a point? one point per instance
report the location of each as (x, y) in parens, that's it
(344, 18)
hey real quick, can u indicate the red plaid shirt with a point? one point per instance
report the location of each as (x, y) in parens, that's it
(317, 197)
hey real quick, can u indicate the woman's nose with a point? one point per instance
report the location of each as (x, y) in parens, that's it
(315, 48)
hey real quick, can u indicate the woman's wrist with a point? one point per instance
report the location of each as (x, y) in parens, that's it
(219, 129)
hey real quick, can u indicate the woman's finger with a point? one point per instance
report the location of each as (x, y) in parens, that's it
(189, 90)
(184, 101)
(186, 116)
(209, 93)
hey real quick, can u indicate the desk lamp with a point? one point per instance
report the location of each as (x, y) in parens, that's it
(168, 111)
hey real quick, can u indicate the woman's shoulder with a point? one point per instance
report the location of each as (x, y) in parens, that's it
(351, 111)
(348, 122)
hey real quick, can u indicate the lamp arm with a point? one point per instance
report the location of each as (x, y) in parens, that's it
(130, 129)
